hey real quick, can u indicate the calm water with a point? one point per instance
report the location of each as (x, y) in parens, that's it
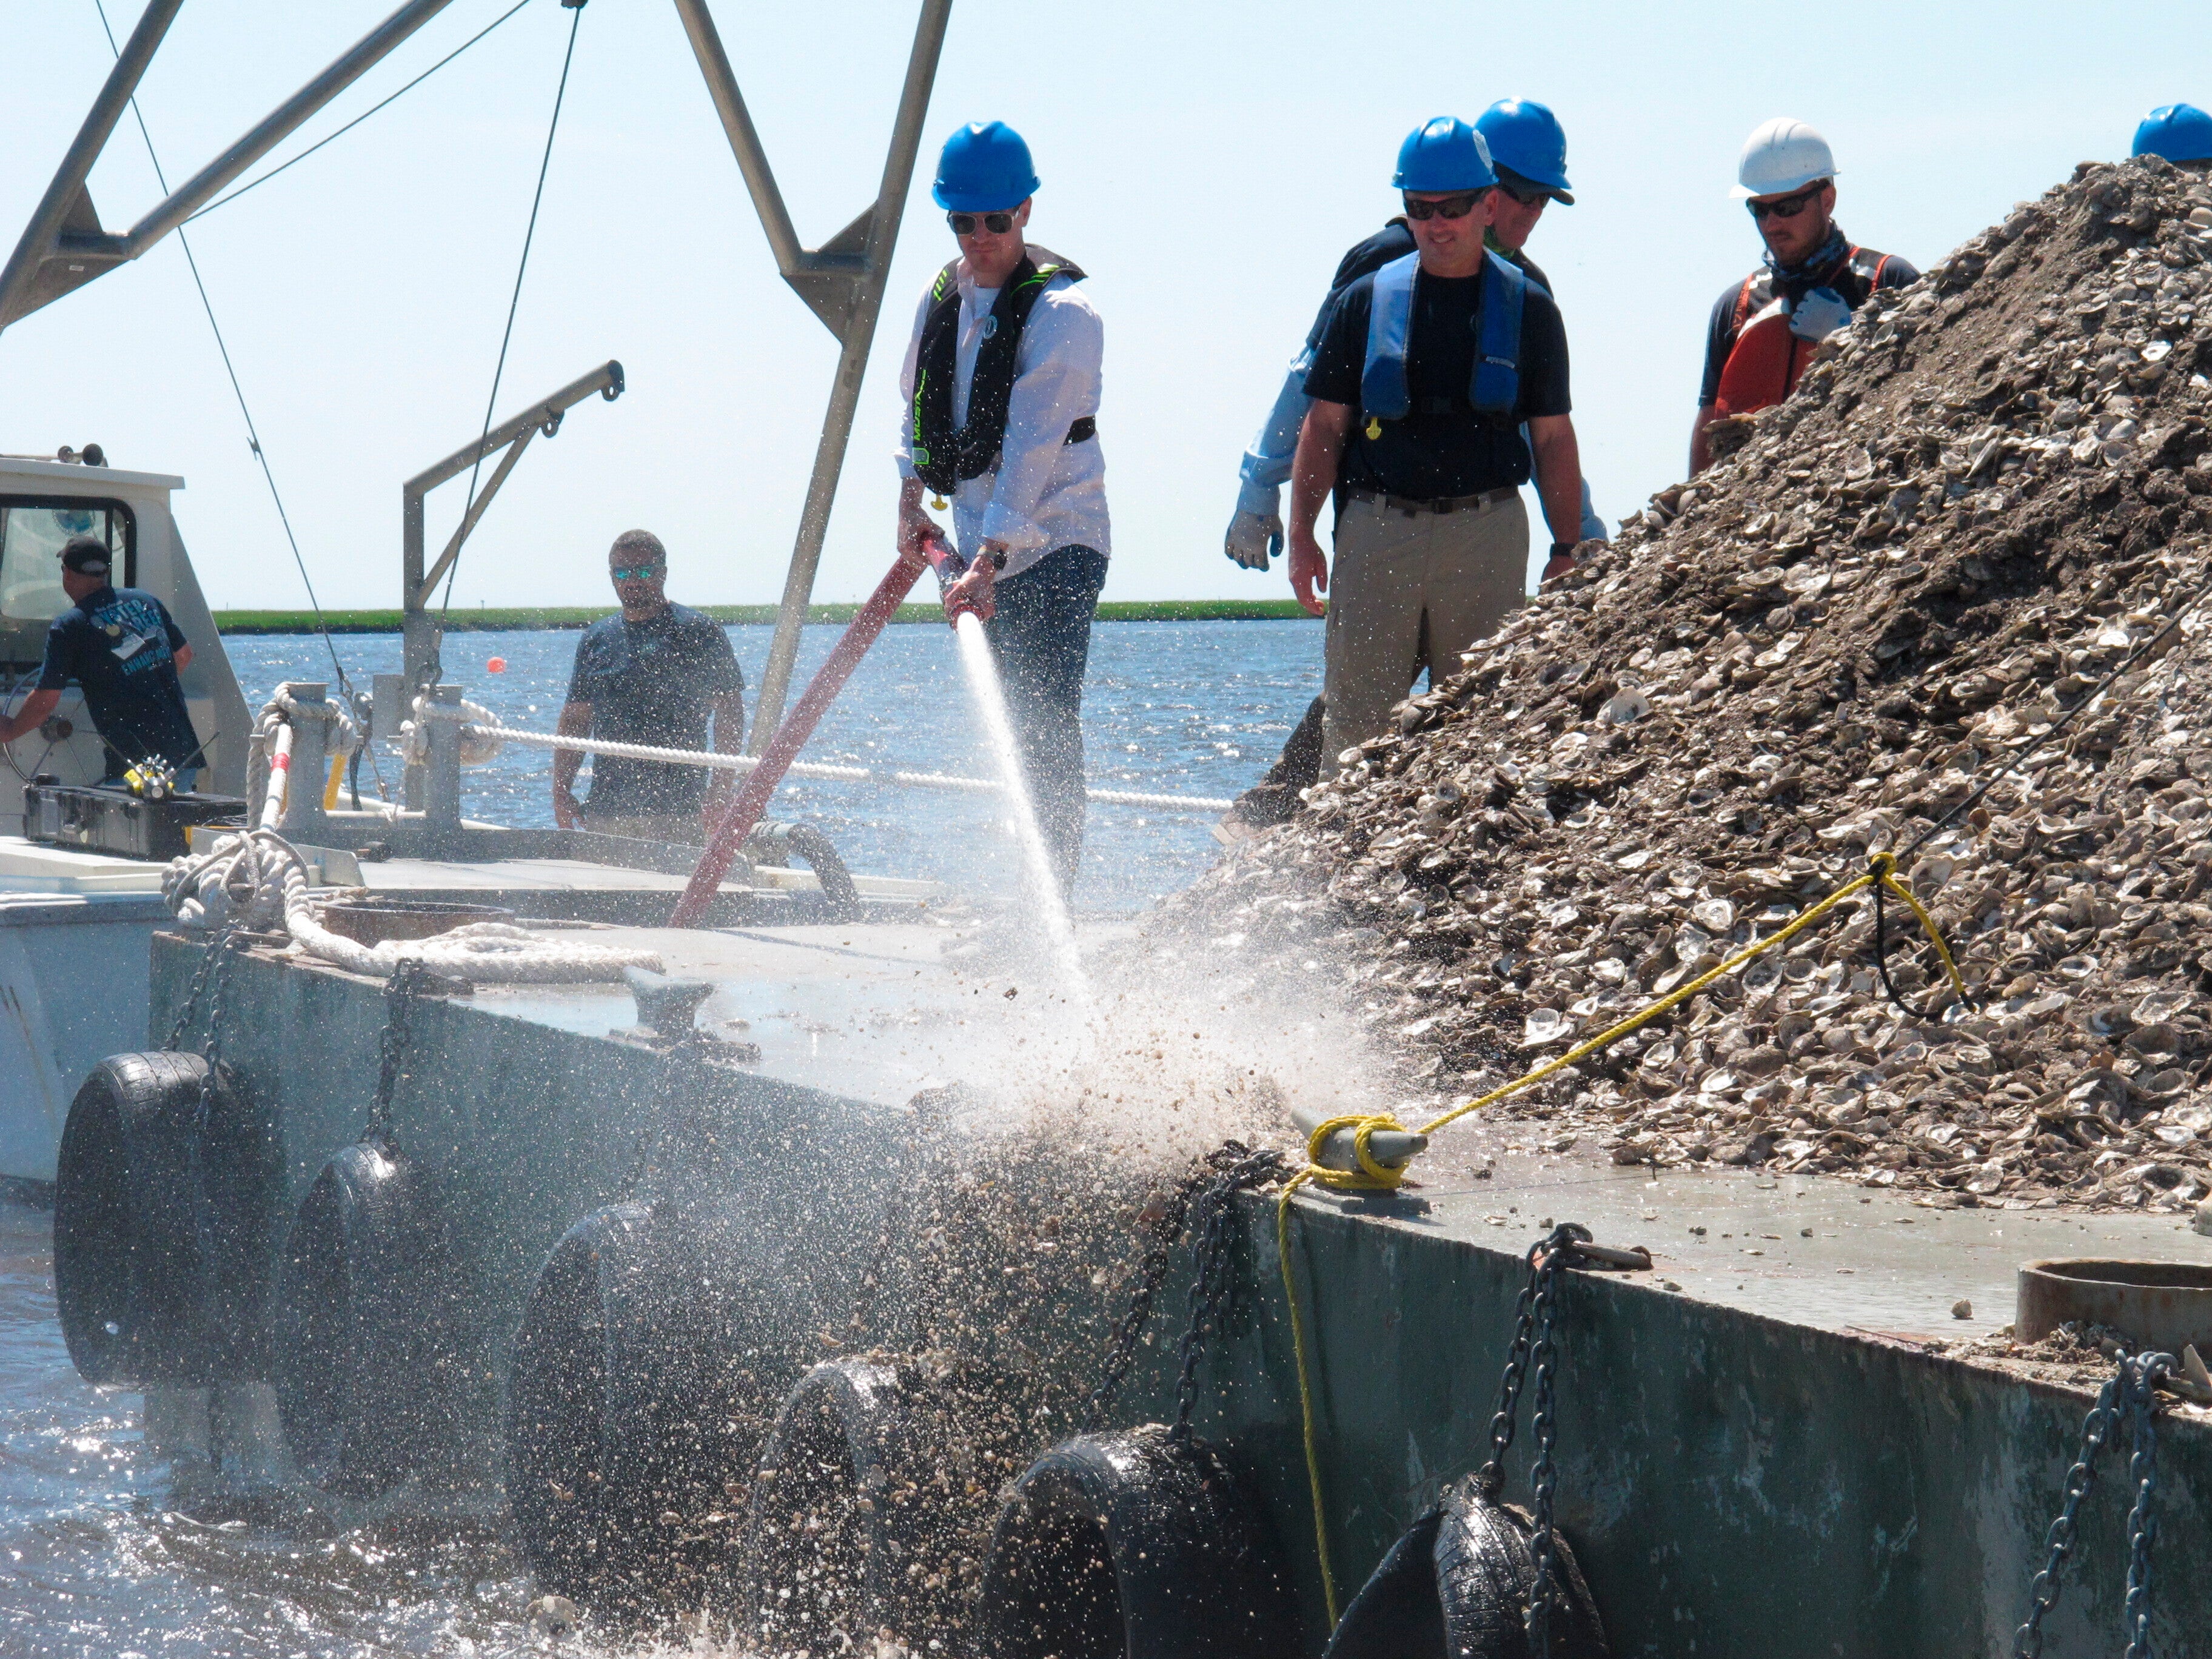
(90, 1565)
(1198, 709)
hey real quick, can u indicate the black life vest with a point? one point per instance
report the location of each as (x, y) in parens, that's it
(945, 455)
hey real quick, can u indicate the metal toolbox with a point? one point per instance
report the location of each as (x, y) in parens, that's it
(115, 821)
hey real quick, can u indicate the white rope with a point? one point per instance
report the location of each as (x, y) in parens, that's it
(340, 740)
(257, 879)
(481, 732)
(486, 728)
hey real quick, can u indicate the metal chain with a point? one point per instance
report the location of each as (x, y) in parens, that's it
(1543, 1474)
(399, 994)
(1167, 1230)
(208, 981)
(1213, 1218)
(1544, 1424)
(1491, 1479)
(676, 1075)
(2143, 1473)
(2043, 1592)
(1545, 1256)
(2130, 1388)
(215, 961)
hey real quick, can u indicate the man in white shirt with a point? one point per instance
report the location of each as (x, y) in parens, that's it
(1000, 392)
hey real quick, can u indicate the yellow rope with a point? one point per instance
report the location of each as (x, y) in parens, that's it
(1371, 1176)
(1305, 1386)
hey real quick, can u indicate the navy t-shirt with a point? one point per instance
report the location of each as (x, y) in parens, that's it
(652, 682)
(1427, 456)
(120, 645)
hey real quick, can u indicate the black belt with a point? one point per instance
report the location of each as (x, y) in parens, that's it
(1083, 431)
(1408, 505)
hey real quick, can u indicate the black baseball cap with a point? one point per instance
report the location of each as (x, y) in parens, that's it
(86, 555)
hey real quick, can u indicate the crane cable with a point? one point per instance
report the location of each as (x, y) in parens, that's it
(255, 184)
(253, 434)
(507, 337)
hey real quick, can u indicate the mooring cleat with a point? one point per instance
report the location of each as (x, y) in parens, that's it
(666, 1007)
(1393, 1149)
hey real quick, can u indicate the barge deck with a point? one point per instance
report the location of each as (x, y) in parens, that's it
(1767, 1445)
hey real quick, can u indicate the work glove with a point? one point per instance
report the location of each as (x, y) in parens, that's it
(1253, 539)
(1818, 314)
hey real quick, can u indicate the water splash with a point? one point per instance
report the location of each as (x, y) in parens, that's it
(1041, 880)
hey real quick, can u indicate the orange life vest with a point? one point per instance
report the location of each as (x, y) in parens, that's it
(1764, 365)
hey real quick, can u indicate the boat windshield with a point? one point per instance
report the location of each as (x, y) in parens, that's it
(33, 530)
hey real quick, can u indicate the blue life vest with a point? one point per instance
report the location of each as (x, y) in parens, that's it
(1495, 387)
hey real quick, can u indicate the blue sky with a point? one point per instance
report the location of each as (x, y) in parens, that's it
(1207, 164)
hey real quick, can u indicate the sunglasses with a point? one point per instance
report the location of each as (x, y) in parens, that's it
(636, 573)
(1531, 195)
(963, 224)
(1451, 207)
(1788, 207)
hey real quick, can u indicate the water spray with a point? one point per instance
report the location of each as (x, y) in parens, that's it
(982, 672)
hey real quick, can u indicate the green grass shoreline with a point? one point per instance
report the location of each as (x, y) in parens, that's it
(579, 616)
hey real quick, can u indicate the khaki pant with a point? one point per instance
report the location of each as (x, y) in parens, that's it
(1411, 592)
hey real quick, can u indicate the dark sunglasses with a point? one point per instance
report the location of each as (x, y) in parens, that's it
(636, 573)
(1452, 207)
(1530, 196)
(963, 224)
(1788, 207)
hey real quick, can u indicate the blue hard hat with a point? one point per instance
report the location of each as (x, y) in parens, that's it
(1525, 137)
(1445, 153)
(2179, 132)
(984, 168)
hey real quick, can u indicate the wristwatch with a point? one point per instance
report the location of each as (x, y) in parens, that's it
(1564, 549)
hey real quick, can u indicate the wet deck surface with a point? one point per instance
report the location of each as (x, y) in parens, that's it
(871, 1011)
(880, 1010)
(1874, 1262)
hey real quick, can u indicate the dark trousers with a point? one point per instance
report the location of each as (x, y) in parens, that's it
(1041, 637)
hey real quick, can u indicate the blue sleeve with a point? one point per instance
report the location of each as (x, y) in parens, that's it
(1341, 357)
(1593, 526)
(177, 640)
(59, 666)
(1266, 465)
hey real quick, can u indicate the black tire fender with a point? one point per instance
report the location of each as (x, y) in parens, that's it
(165, 1206)
(1458, 1584)
(369, 1343)
(635, 1414)
(872, 1507)
(1125, 1544)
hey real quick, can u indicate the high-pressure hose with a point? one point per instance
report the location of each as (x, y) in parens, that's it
(776, 843)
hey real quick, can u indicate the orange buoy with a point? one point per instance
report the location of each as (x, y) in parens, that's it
(495, 666)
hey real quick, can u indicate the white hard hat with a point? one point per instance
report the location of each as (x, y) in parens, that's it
(1781, 155)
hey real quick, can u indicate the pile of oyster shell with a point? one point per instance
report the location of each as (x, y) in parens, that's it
(1994, 489)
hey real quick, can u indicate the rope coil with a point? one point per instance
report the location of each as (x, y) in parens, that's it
(258, 881)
